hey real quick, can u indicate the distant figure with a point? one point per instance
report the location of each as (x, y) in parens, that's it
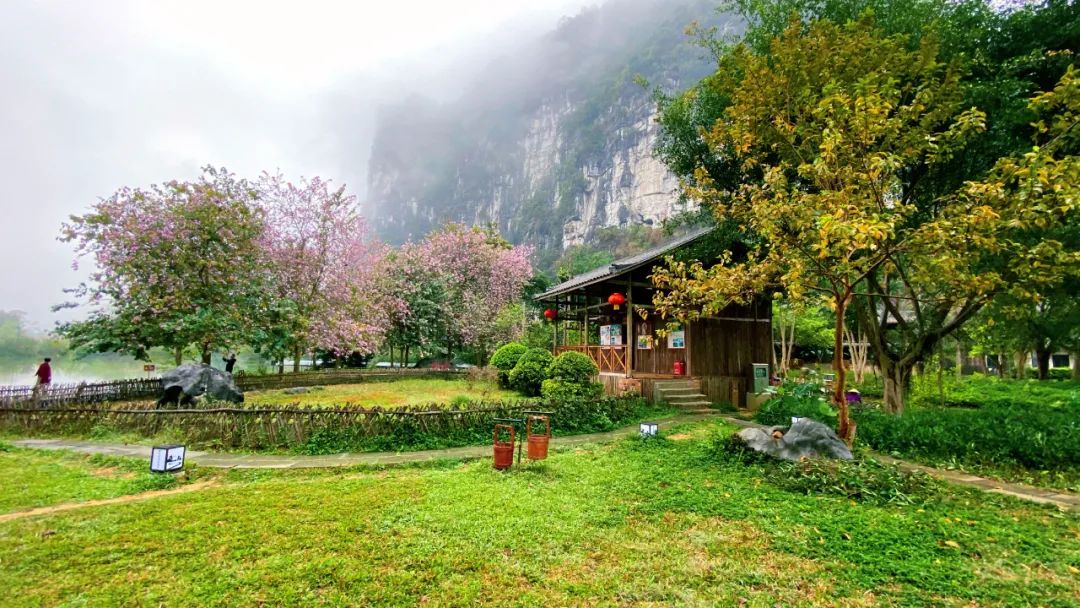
(230, 361)
(44, 372)
(43, 377)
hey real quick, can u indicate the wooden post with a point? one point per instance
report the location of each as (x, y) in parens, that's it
(585, 326)
(629, 325)
(555, 328)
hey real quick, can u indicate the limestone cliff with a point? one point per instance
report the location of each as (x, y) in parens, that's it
(552, 145)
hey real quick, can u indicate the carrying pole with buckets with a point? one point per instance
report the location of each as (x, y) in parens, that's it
(504, 450)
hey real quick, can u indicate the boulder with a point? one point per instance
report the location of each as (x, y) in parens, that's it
(181, 385)
(805, 438)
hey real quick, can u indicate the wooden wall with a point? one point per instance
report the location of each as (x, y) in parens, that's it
(722, 349)
(659, 359)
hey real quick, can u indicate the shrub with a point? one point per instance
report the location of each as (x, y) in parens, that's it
(530, 371)
(460, 402)
(553, 389)
(573, 367)
(863, 480)
(506, 358)
(796, 400)
(1002, 422)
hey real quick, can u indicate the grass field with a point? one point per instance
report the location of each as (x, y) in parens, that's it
(662, 523)
(37, 478)
(408, 391)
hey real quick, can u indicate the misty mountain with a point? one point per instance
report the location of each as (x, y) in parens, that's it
(553, 139)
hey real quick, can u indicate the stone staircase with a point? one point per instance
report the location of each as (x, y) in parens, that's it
(683, 394)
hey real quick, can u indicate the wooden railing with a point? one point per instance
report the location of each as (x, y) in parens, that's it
(610, 359)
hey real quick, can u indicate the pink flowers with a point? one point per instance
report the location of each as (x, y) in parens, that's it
(202, 264)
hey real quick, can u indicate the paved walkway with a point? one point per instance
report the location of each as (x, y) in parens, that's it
(1059, 499)
(273, 461)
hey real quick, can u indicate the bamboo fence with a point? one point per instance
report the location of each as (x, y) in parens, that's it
(263, 427)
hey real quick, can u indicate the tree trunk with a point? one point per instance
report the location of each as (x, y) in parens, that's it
(845, 426)
(1021, 366)
(959, 359)
(1043, 356)
(1074, 358)
(296, 358)
(405, 359)
(281, 366)
(206, 354)
(897, 382)
(179, 355)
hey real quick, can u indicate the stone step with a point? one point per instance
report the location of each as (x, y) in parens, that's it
(675, 392)
(684, 396)
(693, 405)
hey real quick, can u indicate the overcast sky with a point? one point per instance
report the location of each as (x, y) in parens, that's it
(97, 95)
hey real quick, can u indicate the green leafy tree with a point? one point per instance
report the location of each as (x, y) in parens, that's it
(1008, 55)
(823, 130)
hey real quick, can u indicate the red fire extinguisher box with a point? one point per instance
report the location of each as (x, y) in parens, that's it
(679, 368)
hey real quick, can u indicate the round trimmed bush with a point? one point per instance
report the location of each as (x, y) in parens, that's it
(530, 371)
(506, 358)
(573, 367)
(557, 390)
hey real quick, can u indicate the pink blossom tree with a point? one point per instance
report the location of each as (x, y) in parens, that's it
(176, 265)
(323, 262)
(481, 274)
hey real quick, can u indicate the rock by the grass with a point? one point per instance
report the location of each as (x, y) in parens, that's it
(181, 385)
(805, 438)
(297, 390)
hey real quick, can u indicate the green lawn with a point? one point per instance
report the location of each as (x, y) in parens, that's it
(408, 391)
(38, 478)
(663, 523)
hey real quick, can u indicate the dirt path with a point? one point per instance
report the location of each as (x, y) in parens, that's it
(70, 506)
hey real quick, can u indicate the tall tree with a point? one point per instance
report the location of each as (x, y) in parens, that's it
(177, 265)
(1010, 54)
(482, 274)
(319, 254)
(823, 130)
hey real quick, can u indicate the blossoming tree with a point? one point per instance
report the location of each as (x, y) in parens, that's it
(323, 262)
(176, 266)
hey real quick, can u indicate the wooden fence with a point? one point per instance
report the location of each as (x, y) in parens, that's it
(56, 395)
(262, 428)
(53, 395)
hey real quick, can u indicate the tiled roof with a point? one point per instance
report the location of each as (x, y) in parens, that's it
(623, 265)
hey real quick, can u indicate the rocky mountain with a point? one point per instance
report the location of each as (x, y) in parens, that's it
(553, 141)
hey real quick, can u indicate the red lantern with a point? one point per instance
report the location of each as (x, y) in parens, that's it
(616, 300)
(550, 314)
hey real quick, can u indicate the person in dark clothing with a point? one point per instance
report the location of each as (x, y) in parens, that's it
(43, 377)
(44, 372)
(230, 361)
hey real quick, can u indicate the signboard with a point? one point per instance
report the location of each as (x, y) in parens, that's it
(676, 337)
(167, 458)
(761, 378)
(643, 337)
(149, 367)
(611, 335)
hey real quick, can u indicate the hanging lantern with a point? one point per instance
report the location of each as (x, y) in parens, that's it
(616, 300)
(550, 314)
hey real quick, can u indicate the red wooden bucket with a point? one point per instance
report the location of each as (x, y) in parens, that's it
(504, 450)
(538, 443)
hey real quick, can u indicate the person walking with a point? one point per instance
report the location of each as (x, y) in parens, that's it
(43, 377)
(230, 362)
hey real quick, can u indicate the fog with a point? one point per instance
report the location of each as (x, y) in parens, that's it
(98, 95)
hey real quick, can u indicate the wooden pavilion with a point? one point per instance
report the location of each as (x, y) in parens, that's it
(716, 354)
